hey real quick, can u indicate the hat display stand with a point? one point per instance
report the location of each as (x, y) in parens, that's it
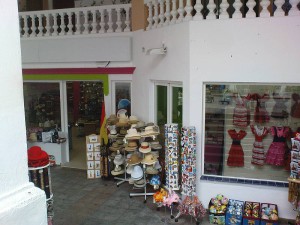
(125, 178)
(39, 175)
(145, 193)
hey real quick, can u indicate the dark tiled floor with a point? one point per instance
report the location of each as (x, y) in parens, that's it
(79, 201)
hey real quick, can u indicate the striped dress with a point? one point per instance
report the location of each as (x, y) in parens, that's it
(241, 115)
(258, 152)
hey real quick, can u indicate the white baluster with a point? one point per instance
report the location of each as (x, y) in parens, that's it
(211, 7)
(48, 25)
(167, 13)
(188, 9)
(70, 23)
(251, 13)
(198, 7)
(279, 11)
(223, 14)
(40, 26)
(150, 17)
(21, 28)
(294, 11)
(161, 13)
(77, 23)
(94, 22)
(55, 26)
(109, 22)
(155, 17)
(180, 12)
(102, 22)
(119, 22)
(127, 21)
(174, 12)
(86, 24)
(264, 12)
(26, 27)
(237, 6)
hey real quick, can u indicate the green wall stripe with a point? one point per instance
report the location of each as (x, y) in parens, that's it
(71, 77)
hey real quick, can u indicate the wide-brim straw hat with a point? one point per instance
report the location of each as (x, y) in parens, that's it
(134, 159)
(144, 148)
(112, 119)
(133, 120)
(115, 147)
(131, 146)
(139, 183)
(151, 170)
(132, 134)
(117, 171)
(150, 130)
(149, 159)
(155, 145)
(119, 160)
(140, 124)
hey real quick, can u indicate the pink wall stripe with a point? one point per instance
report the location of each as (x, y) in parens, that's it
(112, 70)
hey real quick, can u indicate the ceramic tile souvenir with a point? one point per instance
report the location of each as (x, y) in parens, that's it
(171, 157)
(188, 160)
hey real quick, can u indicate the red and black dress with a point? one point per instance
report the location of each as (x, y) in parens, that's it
(261, 115)
(236, 153)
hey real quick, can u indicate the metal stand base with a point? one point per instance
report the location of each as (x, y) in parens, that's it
(122, 180)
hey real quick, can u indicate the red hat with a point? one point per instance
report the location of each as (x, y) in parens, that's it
(37, 157)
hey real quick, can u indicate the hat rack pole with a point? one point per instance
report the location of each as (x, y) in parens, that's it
(125, 179)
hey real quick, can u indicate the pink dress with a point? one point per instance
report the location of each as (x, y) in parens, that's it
(276, 153)
(258, 153)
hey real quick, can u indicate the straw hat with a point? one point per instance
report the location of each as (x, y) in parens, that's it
(149, 159)
(122, 122)
(145, 148)
(120, 142)
(129, 169)
(119, 159)
(134, 159)
(155, 145)
(150, 130)
(133, 120)
(132, 134)
(140, 124)
(122, 132)
(139, 183)
(151, 170)
(117, 171)
(112, 119)
(114, 147)
(137, 173)
(131, 146)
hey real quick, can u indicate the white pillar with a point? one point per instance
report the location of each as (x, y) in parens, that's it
(20, 202)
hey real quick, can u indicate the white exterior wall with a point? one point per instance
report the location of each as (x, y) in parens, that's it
(246, 50)
(174, 66)
(20, 202)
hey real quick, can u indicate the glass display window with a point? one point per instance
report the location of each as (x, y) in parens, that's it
(248, 129)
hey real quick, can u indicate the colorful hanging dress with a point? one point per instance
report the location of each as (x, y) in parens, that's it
(295, 110)
(277, 150)
(258, 153)
(241, 115)
(279, 109)
(236, 153)
(260, 115)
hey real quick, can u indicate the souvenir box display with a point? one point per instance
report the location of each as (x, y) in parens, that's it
(251, 213)
(269, 214)
(295, 158)
(234, 212)
(217, 209)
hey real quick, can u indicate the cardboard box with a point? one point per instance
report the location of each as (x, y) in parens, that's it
(249, 219)
(271, 207)
(235, 216)
(217, 219)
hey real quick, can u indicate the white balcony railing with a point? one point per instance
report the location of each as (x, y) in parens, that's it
(75, 21)
(165, 12)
